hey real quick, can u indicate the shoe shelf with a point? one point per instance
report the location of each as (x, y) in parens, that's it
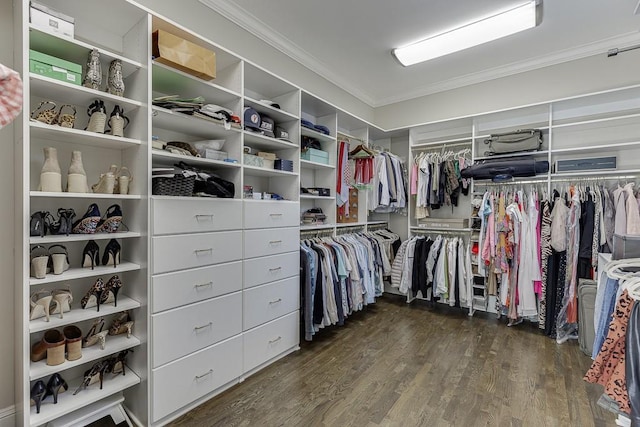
(73, 94)
(314, 165)
(41, 130)
(322, 137)
(188, 125)
(81, 273)
(264, 172)
(164, 157)
(36, 240)
(114, 344)
(276, 114)
(77, 315)
(64, 195)
(67, 402)
(266, 143)
(173, 81)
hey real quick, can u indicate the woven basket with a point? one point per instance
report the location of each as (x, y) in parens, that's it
(179, 185)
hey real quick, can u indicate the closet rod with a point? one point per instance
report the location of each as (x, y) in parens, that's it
(316, 233)
(444, 231)
(438, 148)
(593, 178)
(528, 181)
(349, 138)
(374, 227)
(347, 230)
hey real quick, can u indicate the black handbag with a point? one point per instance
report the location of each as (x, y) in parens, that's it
(502, 169)
(210, 183)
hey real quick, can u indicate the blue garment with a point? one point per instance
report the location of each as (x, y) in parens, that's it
(606, 311)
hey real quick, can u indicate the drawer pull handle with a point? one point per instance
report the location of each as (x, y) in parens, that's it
(198, 328)
(276, 340)
(202, 216)
(204, 285)
(202, 251)
(275, 269)
(273, 242)
(275, 301)
(199, 377)
(275, 214)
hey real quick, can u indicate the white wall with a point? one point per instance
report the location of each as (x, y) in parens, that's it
(6, 227)
(586, 75)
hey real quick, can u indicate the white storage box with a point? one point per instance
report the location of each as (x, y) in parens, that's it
(213, 154)
(50, 20)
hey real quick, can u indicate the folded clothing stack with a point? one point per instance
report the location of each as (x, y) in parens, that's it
(313, 216)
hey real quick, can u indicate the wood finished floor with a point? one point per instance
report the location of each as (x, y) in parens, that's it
(399, 365)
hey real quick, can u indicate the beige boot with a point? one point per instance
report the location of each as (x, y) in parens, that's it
(77, 177)
(50, 175)
(107, 182)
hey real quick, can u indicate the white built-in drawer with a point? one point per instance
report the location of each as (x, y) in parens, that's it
(270, 340)
(267, 302)
(270, 241)
(184, 330)
(184, 381)
(271, 268)
(264, 214)
(172, 290)
(197, 215)
(179, 252)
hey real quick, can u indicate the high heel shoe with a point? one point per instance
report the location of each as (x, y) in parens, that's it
(115, 80)
(77, 177)
(94, 295)
(40, 305)
(107, 182)
(116, 364)
(112, 220)
(64, 224)
(58, 259)
(91, 376)
(89, 221)
(91, 255)
(111, 253)
(41, 223)
(118, 122)
(62, 299)
(37, 394)
(123, 179)
(97, 113)
(51, 174)
(73, 337)
(55, 386)
(39, 261)
(96, 335)
(111, 290)
(122, 324)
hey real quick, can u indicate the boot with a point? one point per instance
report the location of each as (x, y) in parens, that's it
(50, 175)
(77, 177)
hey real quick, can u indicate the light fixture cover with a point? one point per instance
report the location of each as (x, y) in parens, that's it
(505, 23)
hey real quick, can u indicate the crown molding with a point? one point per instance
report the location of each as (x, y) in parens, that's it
(255, 26)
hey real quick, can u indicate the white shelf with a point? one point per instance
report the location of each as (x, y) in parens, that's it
(464, 139)
(594, 121)
(69, 93)
(351, 224)
(262, 142)
(67, 402)
(312, 197)
(544, 153)
(601, 147)
(316, 227)
(81, 273)
(376, 222)
(276, 114)
(76, 50)
(455, 230)
(189, 125)
(322, 137)
(314, 165)
(41, 130)
(114, 344)
(77, 315)
(64, 195)
(578, 174)
(258, 171)
(168, 80)
(36, 240)
(170, 158)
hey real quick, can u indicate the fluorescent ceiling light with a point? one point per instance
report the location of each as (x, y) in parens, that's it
(503, 24)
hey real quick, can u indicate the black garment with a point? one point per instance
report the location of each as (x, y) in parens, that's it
(318, 297)
(587, 222)
(556, 275)
(337, 288)
(632, 365)
(416, 274)
(421, 258)
(456, 287)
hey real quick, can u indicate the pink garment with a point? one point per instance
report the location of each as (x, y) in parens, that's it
(537, 284)
(489, 245)
(414, 179)
(10, 95)
(633, 216)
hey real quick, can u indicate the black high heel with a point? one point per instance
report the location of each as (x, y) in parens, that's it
(111, 221)
(55, 384)
(96, 291)
(113, 285)
(116, 364)
(64, 225)
(111, 253)
(92, 251)
(96, 373)
(37, 394)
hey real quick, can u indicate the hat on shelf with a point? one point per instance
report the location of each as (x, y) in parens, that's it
(252, 119)
(282, 134)
(270, 103)
(307, 124)
(322, 129)
(267, 126)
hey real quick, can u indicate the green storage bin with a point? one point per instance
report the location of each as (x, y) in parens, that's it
(55, 68)
(313, 155)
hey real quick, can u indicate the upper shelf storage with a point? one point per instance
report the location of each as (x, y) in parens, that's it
(601, 107)
(534, 117)
(449, 132)
(261, 86)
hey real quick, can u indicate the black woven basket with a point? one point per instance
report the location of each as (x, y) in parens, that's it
(179, 185)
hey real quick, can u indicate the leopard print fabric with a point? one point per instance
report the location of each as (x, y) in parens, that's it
(608, 369)
(545, 249)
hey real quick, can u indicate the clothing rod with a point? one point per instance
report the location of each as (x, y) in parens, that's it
(530, 181)
(439, 148)
(593, 178)
(416, 231)
(349, 138)
(615, 51)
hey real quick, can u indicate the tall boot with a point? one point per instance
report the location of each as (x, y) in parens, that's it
(50, 175)
(77, 177)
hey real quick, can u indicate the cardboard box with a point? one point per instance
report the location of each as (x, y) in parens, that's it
(313, 155)
(50, 20)
(266, 155)
(178, 53)
(55, 68)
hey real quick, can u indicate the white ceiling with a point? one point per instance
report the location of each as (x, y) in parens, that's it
(350, 42)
